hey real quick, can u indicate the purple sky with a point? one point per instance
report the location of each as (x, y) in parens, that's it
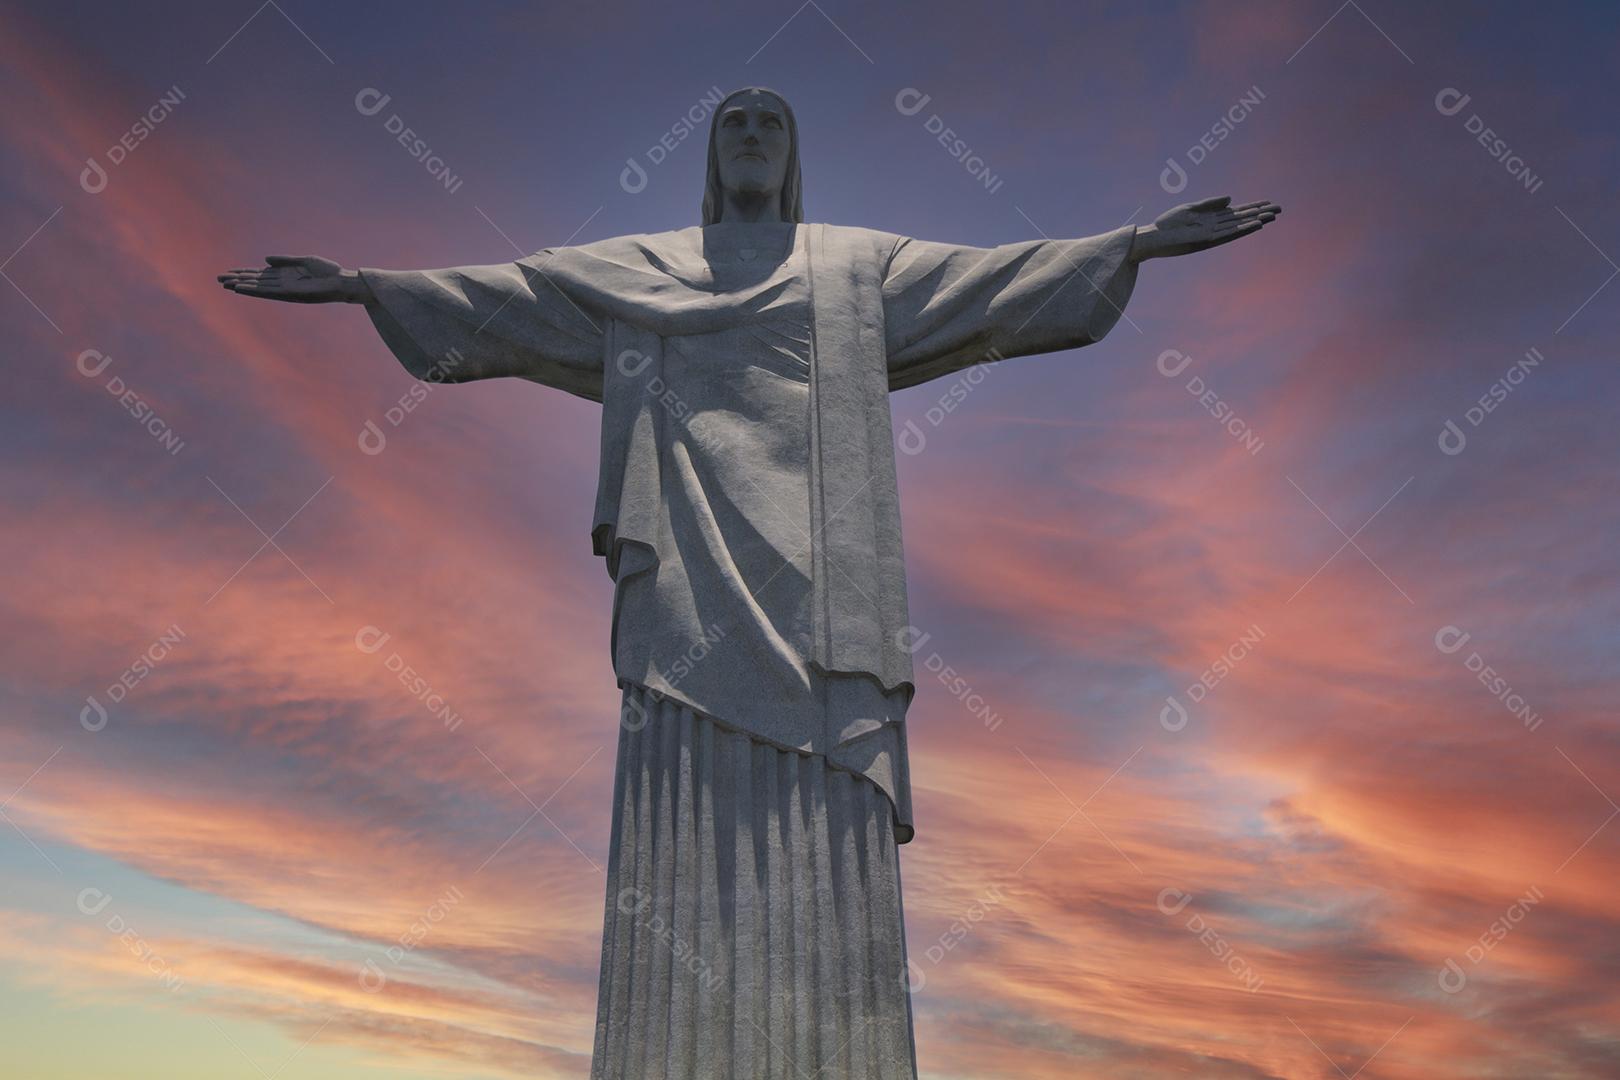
(1384, 808)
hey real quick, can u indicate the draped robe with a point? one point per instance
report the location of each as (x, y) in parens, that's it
(747, 507)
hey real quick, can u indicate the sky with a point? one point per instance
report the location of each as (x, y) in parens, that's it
(1264, 724)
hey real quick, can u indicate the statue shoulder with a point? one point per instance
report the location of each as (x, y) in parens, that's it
(617, 247)
(861, 241)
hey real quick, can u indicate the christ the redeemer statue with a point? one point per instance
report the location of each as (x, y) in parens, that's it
(748, 515)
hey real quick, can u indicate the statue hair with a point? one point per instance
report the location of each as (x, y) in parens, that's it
(792, 186)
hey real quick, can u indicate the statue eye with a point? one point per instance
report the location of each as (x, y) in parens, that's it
(771, 121)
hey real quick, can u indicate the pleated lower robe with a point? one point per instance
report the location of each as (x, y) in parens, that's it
(753, 923)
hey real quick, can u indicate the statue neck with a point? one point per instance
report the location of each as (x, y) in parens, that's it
(751, 206)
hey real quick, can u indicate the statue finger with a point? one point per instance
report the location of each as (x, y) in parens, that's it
(284, 260)
(1241, 228)
(1240, 231)
(1217, 203)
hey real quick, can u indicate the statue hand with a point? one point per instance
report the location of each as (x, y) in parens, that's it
(1191, 227)
(298, 279)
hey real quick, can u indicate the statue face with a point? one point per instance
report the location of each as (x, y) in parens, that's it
(752, 145)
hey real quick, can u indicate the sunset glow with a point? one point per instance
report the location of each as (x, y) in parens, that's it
(1265, 720)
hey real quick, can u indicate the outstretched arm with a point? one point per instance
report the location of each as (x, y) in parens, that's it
(299, 279)
(1191, 227)
(947, 306)
(452, 325)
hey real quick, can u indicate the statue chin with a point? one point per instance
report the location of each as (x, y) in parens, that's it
(751, 181)
(754, 193)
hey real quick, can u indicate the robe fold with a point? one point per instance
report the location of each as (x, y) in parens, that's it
(747, 506)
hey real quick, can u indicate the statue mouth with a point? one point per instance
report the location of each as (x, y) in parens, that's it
(749, 154)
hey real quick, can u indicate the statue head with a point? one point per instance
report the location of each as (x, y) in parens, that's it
(754, 153)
